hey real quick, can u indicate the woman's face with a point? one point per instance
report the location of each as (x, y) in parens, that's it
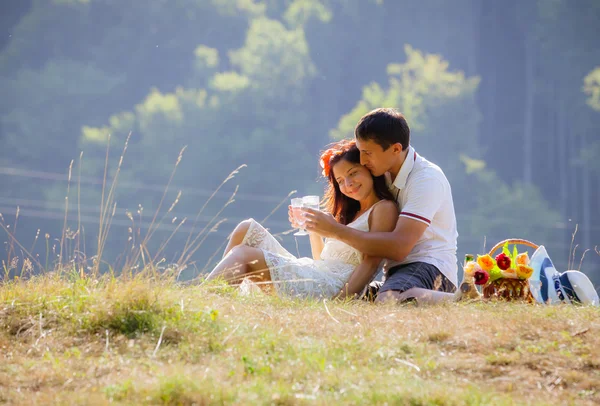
(354, 180)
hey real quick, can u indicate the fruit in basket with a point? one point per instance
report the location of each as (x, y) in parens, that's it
(503, 261)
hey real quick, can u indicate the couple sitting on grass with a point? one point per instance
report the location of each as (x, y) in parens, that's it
(384, 202)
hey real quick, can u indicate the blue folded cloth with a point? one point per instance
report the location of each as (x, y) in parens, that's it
(552, 287)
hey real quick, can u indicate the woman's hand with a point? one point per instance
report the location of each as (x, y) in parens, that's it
(320, 222)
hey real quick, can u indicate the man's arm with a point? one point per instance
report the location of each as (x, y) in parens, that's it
(395, 245)
(424, 197)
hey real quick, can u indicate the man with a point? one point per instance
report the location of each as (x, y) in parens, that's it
(421, 251)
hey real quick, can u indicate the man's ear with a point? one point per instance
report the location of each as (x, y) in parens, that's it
(397, 148)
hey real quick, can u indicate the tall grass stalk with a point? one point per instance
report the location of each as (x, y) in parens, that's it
(189, 243)
(106, 205)
(101, 222)
(166, 242)
(11, 244)
(64, 229)
(571, 251)
(190, 249)
(151, 230)
(13, 240)
(141, 246)
(78, 232)
(285, 199)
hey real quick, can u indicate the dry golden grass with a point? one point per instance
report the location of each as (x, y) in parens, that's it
(68, 340)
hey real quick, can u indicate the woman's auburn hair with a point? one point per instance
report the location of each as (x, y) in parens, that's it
(342, 207)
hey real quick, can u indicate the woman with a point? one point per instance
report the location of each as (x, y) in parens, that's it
(355, 198)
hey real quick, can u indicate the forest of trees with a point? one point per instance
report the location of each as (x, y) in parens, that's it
(504, 96)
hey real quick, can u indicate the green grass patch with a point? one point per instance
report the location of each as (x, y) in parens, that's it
(147, 341)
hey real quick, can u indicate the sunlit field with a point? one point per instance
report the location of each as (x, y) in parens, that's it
(144, 340)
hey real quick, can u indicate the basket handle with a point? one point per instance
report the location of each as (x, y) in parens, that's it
(512, 241)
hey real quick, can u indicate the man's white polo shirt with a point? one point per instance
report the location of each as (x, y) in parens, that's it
(423, 194)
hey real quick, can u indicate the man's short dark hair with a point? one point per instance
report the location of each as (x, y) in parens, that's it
(384, 126)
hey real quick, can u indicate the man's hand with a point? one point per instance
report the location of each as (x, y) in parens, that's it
(320, 223)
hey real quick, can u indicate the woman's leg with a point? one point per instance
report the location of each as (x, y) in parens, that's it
(242, 262)
(237, 236)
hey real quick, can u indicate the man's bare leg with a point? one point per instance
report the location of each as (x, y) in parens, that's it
(422, 296)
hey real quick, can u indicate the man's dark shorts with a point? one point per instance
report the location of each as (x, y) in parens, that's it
(414, 275)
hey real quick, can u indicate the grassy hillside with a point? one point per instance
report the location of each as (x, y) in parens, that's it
(66, 340)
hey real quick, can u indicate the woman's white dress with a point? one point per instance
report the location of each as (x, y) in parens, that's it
(306, 277)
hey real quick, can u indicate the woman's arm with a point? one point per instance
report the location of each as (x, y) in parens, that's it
(361, 276)
(383, 219)
(316, 245)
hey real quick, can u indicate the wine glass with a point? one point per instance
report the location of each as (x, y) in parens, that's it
(297, 204)
(311, 202)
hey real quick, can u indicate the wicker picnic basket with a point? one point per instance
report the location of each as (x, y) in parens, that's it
(508, 288)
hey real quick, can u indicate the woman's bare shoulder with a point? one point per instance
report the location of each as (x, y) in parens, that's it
(384, 216)
(386, 207)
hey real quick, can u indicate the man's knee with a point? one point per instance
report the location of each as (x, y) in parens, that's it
(389, 296)
(410, 294)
